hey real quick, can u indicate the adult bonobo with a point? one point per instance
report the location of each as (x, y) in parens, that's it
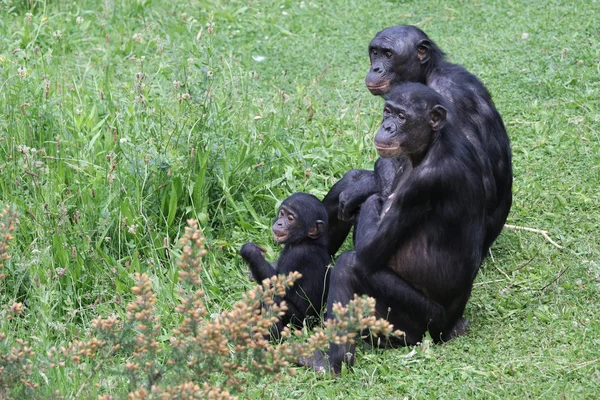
(418, 250)
(301, 226)
(403, 54)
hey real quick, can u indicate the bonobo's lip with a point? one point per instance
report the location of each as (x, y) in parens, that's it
(387, 151)
(279, 238)
(378, 89)
(385, 148)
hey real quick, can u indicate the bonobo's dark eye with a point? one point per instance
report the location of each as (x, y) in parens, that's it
(281, 214)
(290, 218)
(386, 111)
(374, 52)
(401, 117)
(388, 54)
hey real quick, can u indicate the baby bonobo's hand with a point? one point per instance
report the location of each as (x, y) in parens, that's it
(250, 251)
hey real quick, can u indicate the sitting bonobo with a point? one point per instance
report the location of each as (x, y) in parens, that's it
(417, 249)
(301, 226)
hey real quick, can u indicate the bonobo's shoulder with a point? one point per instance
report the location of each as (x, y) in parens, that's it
(453, 154)
(456, 78)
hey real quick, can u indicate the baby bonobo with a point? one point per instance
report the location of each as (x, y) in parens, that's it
(301, 226)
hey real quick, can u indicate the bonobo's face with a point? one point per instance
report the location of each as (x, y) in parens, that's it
(286, 223)
(411, 116)
(396, 55)
(301, 216)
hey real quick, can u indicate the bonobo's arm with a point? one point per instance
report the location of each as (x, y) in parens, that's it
(254, 255)
(352, 197)
(350, 192)
(363, 183)
(379, 231)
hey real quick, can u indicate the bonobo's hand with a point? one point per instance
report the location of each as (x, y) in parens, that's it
(372, 207)
(251, 251)
(347, 207)
(368, 218)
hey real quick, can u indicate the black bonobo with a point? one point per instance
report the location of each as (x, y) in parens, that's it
(402, 54)
(301, 226)
(418, 249)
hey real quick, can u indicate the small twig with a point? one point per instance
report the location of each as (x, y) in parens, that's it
(502, 272)
(561, 273)
(526, 263)
(585, 364)
(318, 78)
(91, 374)
(485, 283)
(543, 233)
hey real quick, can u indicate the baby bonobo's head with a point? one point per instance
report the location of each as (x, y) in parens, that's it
(301, 217)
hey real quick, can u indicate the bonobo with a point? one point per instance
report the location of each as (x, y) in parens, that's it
(301, 226)
(403, 54)
(417, 250)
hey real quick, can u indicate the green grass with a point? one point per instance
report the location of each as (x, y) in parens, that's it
(120, 120)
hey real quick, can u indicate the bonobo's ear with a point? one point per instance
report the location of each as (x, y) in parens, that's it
(423, 50)
(437, 117)
(316, 230)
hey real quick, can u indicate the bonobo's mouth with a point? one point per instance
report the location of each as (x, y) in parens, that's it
(387, 151)
(378, 88)
(386, 148)
(280, 238)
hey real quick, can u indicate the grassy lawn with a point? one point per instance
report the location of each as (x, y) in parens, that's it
(120, 120)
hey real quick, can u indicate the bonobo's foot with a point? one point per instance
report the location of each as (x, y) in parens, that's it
(460, 328)
(316, 362)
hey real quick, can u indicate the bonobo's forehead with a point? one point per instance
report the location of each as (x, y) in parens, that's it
(304, 198)
(399, 37)
(413, 95)
(305, 206)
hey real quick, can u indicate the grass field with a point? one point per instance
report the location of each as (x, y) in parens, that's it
(120, 120)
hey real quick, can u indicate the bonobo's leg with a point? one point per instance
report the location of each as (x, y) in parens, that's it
(405, 307)
(344, 283)
(291, 315)
(495, 220)
(342, 202)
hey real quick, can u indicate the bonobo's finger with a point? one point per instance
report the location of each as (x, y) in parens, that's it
(374, 200)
